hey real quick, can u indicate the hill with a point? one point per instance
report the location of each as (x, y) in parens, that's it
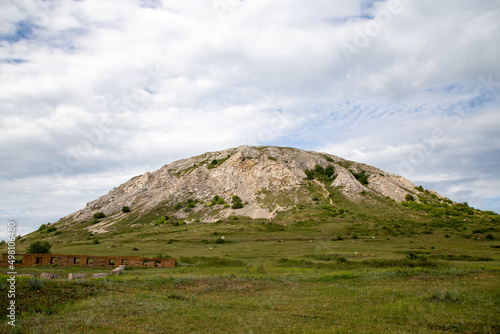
(272, 184)
(271, 239)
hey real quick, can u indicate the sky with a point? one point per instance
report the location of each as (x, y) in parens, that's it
(94, 92)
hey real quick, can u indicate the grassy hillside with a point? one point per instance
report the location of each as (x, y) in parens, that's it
(328, 265)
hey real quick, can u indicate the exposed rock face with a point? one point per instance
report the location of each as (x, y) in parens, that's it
(252, 173)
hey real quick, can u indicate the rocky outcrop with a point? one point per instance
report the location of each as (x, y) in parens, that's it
(251, 173)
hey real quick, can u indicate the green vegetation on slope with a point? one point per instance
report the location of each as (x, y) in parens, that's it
(327, 264)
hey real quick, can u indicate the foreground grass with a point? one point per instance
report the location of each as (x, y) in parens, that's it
(317, 269)
(266, 300)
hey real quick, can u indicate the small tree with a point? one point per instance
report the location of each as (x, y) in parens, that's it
(319, 169)
(39, 247)
(218, 200)
(409, 198)
(237, 205)
(99, 215)
(125, 209)
(330, 170)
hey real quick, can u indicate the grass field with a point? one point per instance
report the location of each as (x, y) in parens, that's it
(316, 269)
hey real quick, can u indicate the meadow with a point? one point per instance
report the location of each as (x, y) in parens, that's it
(349, 269)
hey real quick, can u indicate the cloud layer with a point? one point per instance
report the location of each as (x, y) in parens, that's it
(94, 92)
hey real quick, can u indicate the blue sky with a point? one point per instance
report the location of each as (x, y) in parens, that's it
(93, 93)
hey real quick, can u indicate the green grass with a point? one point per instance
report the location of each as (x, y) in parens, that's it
(319, 267)
(267, 300)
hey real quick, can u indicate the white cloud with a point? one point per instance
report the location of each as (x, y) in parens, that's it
(146, 82)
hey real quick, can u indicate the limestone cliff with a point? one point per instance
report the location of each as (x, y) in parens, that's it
(260, 176)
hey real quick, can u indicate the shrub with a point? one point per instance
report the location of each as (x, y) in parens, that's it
(237, 205)
(218, 200)
(125, 209)
(361, 177)
(318, 169)
(220, 241)
(489, 236)
(51, 229)
(135, 249)
(329, 171)
(39, 247)
(191, 205)
(341, 260)
(420, 188)
(161, 220)
(213, 164)
(412, 256)
(42, 227)
(96, 242)
(409, 198)
(99, 215)
(34, 284)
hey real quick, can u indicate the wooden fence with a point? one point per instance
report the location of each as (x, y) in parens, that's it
(26, 260)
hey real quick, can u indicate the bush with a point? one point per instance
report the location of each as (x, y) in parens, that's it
(51, 229)
(320, 173)
(34, 284)
(329, 171)
(96, 242)
(237, 205)
(213, 164)
(361, 177)
(318, 169)
(409, 198)
(99, 215)
(42, 227)
(489, 236)
(161, 220)
(39, 247)
(341, 260)
(135, 249)
(220, 241)
(218, 200)
(190, 206)
(125, 209)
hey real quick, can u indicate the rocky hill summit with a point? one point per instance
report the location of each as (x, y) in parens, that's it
(256, 182)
